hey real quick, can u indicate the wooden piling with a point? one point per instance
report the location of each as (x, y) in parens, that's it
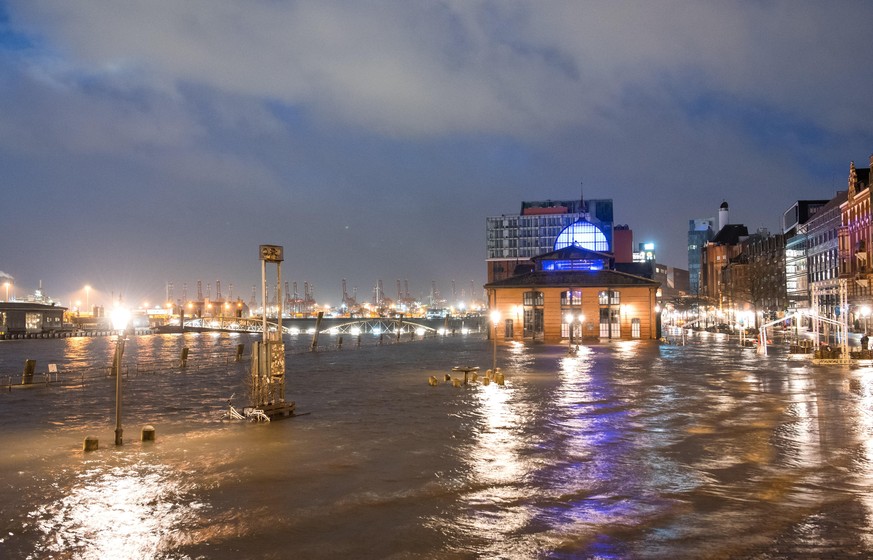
(27, 374)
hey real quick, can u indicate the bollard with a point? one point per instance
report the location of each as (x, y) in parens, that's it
(339, 344)
(148, 433)
(184, 357)
(91, 444)
(239, 351)
(27, 376)
(486, 381)
(359, 341)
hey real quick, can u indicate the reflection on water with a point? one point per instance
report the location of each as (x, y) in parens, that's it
(628, 449)
(138, 510)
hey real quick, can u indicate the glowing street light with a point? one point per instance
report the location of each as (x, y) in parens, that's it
(571, 319)
(495, 318)
(120, 318)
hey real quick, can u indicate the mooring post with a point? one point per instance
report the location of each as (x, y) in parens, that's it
(148, 433)
(184, 357)
(240, 348)
(27, 375)
(91, 444)
(119, 354)
(339, 344)
(318, 319)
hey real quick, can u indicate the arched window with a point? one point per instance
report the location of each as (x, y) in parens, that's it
(584, 234)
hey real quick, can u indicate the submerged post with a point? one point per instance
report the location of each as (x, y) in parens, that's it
(27, 375)
(318, 319)
(120, 317)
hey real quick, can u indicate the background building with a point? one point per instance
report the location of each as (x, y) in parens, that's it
(22, 318)
(513, 240)
(855, 241)
(700, 232)
(795, 228)
(822, 256)
(574, 292)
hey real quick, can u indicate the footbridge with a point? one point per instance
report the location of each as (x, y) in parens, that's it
(231, 324)
(375, 326)
(378, 326)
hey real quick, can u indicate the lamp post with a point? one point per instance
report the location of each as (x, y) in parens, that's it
(119, 322)
(865, 314)
(569, 318)
(495, 318)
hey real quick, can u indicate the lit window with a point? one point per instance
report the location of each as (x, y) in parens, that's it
(584, 234)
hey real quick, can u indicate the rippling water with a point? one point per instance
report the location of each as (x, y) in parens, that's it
(625, 450)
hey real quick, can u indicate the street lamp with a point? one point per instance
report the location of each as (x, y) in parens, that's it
(569, 318)
(571, 325)
(495, 318)
(120, 317)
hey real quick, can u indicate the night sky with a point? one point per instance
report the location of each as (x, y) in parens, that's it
(162, 141)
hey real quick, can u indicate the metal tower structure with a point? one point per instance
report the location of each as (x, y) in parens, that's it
(268, 356)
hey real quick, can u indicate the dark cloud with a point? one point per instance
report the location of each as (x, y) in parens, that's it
(163, 141)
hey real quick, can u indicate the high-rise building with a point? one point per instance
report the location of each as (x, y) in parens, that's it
(700, 231)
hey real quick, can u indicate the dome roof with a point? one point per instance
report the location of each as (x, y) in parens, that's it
(724, 205)
(584, 234)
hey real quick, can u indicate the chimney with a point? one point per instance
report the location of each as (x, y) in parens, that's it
(722, 215)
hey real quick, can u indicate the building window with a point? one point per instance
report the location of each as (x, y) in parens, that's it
(609, 297)
(610, 323)
(533, 323)
(533, 299)
(33, 321)
(571, 297)
(508, 329)
(584, 234)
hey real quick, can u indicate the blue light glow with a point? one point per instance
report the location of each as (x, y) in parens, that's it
(583, 234)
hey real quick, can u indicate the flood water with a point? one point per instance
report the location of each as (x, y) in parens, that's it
(626, 450)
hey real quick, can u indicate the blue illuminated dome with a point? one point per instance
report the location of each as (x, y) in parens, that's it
(582, 234)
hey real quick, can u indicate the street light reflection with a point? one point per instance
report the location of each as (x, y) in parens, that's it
(498, 469)
(134, 511)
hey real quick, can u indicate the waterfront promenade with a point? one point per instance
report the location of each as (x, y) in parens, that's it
(628, 449)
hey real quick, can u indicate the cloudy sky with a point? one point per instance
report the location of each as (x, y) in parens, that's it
(156, 141)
